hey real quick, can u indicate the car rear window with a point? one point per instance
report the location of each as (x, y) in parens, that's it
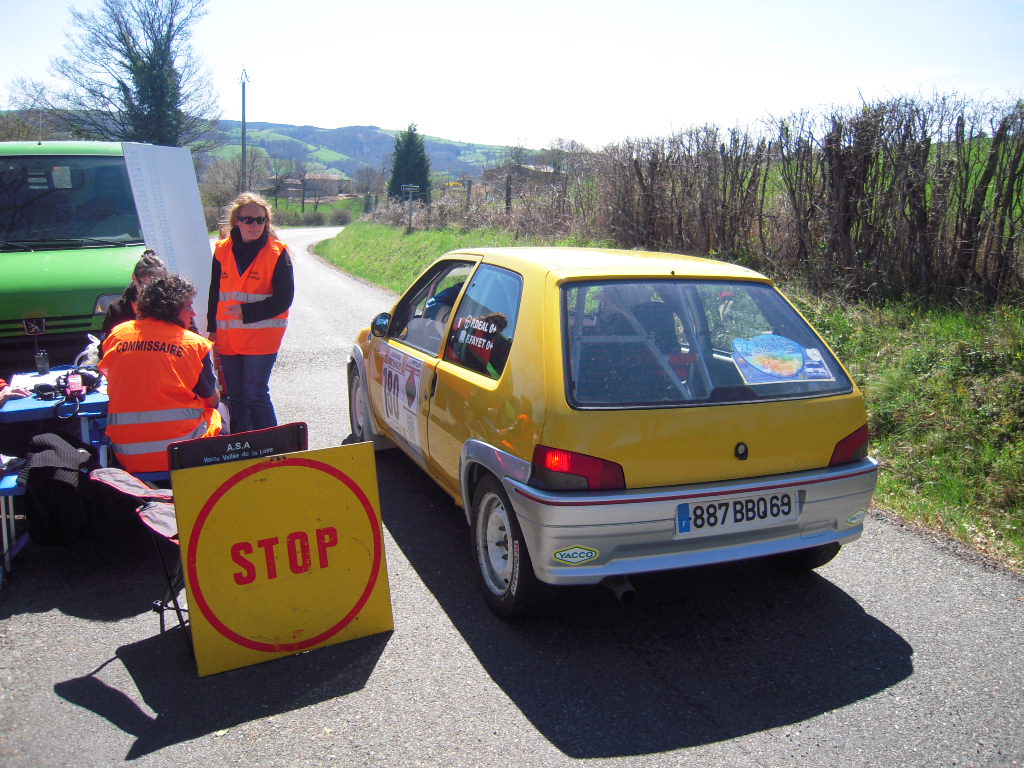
(660, 343)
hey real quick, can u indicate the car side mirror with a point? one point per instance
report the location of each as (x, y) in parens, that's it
(380, 324)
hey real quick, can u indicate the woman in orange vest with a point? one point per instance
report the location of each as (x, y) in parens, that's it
(160, 378)
(251, 289)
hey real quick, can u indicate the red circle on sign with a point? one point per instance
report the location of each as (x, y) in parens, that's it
(207, 510)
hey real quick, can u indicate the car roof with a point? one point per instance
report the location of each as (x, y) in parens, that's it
(566, 263)
(61, 148)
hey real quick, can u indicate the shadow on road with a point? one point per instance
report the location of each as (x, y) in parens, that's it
(188, 707)
(705, 654)
(117, 579)
(109, 579)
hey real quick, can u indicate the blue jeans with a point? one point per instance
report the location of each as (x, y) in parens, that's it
(247, 383)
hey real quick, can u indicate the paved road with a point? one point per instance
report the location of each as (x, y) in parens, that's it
(901, 652)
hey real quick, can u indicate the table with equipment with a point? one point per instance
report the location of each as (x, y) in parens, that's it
(91, 415)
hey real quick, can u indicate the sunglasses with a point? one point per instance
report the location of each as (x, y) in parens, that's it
(252, 219)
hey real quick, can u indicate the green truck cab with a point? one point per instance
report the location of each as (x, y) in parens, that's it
(69, 239)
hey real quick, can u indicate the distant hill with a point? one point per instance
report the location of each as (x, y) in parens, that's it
(348, 149)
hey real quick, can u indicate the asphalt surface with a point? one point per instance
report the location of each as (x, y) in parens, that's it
(904, 651)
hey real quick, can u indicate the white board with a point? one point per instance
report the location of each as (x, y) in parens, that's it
(167, 198)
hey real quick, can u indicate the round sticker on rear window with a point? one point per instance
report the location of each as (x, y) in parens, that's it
(769, 358)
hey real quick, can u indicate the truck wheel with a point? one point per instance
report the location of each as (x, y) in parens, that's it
(503, 563)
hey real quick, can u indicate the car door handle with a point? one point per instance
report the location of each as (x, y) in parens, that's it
(433, 386)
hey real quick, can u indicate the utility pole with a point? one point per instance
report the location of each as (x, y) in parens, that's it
(410, 189)
(245, 168)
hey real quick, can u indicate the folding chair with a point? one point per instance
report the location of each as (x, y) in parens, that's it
(155, 508)
(156, 505)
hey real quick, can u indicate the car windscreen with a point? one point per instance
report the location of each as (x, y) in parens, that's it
(69, 201)
(651, 343)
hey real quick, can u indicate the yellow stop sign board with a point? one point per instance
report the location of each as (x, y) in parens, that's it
(282, 554)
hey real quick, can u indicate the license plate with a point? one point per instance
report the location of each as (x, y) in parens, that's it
(706, 517)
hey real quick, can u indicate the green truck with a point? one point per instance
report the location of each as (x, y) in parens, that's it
(69, 239)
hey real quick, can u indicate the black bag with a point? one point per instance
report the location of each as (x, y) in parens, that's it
(59, 495)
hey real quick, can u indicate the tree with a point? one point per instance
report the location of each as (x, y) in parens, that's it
(368, 180)
(410, 164)
(223, 177)
(281, 168)
(131, 76)
(323, 185)
(16, 126)
(301, 172)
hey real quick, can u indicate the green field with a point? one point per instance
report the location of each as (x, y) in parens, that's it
(944, 388)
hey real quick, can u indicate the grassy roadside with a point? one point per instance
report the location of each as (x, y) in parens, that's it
(944, 389)
(945, 397)
(387, 257)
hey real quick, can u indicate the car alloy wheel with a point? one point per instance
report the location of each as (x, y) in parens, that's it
(356, 405)
(503, 562)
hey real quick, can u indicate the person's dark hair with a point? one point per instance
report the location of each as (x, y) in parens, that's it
(164, 298)
(149, 265)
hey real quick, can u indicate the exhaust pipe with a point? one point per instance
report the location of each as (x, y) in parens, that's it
(622, 589)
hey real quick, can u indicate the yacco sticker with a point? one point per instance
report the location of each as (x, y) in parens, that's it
(575, 555)
(857, 517)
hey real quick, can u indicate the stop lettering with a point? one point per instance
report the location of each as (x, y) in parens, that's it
(296, 549)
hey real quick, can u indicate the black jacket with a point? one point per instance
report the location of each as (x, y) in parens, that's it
(120, 310)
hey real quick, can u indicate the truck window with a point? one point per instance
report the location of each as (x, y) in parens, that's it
(67, 201)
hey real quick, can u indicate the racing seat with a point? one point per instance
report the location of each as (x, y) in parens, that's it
(659, 322)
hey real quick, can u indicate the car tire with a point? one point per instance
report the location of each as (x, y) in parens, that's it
(803, 560)
(504, 569)
(359, 414)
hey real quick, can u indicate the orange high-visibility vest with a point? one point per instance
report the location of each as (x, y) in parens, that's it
(235, 337)
(151, 367)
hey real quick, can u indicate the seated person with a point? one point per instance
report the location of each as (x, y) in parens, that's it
(439, 306)
(425, 332)
(7, 392)
(123, 309)
(160, 378)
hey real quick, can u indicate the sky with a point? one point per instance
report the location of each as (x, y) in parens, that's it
(597, 72)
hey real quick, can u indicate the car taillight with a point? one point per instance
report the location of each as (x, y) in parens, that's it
(560, 470)
(851, 448)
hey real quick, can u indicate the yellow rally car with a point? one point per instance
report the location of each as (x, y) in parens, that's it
(601, 413)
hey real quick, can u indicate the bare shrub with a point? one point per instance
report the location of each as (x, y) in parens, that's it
(340, 217)
(313, 219)
(899, 198)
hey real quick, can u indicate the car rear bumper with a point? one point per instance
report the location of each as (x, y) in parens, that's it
(582, 538)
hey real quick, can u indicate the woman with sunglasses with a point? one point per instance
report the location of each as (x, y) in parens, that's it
(251, 289)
